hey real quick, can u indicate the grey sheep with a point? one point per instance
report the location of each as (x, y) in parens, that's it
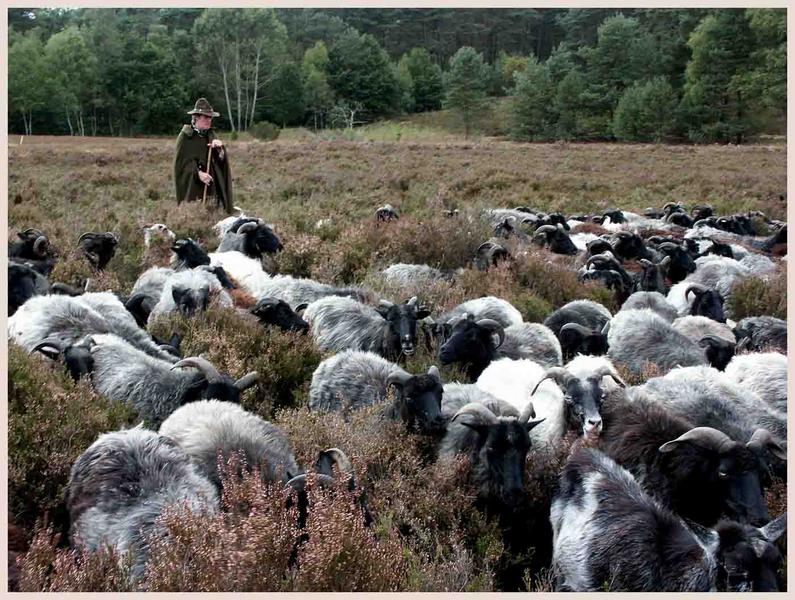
(696, 327)
(209, 429)
(190, 290)
(764, 374)
(761, 334)
(354, 379)
(708, 398)
(653, 301)
(343, 323)
(487, 307)
(120, 486)
(410, 274)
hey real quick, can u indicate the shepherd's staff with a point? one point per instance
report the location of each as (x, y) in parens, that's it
(209, 158)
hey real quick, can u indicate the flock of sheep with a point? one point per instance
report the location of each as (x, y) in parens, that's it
(664, 491)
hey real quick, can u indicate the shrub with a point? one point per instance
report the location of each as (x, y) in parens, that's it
(236, 344)
(51, 421)
(754, 296)
(265, 131)
(645, 113)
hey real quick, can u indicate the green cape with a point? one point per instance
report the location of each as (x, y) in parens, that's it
(190, 156)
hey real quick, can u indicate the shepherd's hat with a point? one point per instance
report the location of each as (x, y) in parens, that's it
(203, 108)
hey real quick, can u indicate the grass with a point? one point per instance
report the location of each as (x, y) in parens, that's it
(428, 535)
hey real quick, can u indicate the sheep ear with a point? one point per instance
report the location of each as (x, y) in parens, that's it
(49, 351)
(301, 307)
(775, 529)
(422, 312)
(479, 428)
(708, 537)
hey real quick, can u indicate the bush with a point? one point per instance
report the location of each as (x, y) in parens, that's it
(51, 421)
(645, 113)
(754, 296)
(265, 131)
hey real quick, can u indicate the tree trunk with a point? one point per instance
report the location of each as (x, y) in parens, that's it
(69, 122)
(226, 92)
(238, 84)
(256, 83)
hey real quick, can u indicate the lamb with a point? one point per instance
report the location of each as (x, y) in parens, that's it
(572, 401)
(497, 445)
(765, 374)
(760, 334)
(353, 379)
(608, 532)
(99, 248)
(641, 337)
(211, 430)
(581, 327)
(122, 483)
(708, 398)
(189, 291)
(343, 323)
(472, 343)
(151, 386)
(69, 319)
(698, 472)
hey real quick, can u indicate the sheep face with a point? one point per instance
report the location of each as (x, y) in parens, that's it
(489, 254)
(576, 339)
(402, 323)
(189, 254)
(498, 458)
(188, 301)
(266, 240)
(583, 401)
(23, 283)
(98, 248)
(682, 263)
(701, 212)
(272, 311)
(718, 351)
(419, 402)
(720, 250)
(209, 384)
(748, 557)
(707, 303)
(598, 246)
(77, 357)
(468, 343)
(628, 245)
(33, 245)
(652, 276)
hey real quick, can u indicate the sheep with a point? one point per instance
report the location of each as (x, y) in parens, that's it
(386, 213)
(555, 238)
(251, 238)
(188, 254)
(627, 245)
(120, 486)
(390, 330)
(573, 401)
(472, 343)
(652, 276)
(70, 319)
(696, 328)
(146, 293)
(487, 307)
(209, 430)
(698, 472)
(225, 224)
(189, 291)
(353, 379)
(457, 395)
(765, 374)
(98, 248)
(152, 387)
(639, 337)
(581, 327)
(23, 284)
(32, 245)
(407, 274)
(272, 311)
(681, 264)
(705, 302)
(759, 334)
(608, 532)
(708, 398)
(489, 254)
(497, 447)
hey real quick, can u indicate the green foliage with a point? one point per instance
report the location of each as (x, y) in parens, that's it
(406, 86)
(265, 131)
(359, 70)
(284, 97)
(318, 96)
(507, 66)
(465, 83)
(27, 90)
(530, 116)
(754, 296)
(426, 78)
(645, 113)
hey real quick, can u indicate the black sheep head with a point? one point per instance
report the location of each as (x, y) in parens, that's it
(707, 303)
(576, 339)
(98, 248)
(718, 351)
(273, 311)
(681, 265)
(210, 384)
(418, 400)
(472, 343)
(76, 356)
(489, 254)
(189, 254)
(402, 322)
(748, 558)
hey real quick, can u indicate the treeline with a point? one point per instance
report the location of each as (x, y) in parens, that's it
(629, 74)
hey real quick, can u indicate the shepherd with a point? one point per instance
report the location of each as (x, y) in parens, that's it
(201, 163)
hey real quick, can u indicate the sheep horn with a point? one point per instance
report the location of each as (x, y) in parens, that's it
(545, 229)
(696, 288)
(528, 413)
(606, 328)
(398, 377)
(246, 227)
(763, 440)
(706, 437)
(301, 307)
(668, 247)
(623, 234)
(112, 235)
(646, 263)
(484, 245)
(581, 329)
(49, 342)
(299, 481)
(493, 326)
(336, 457)
(385, 303)
(476, 409)
(247, 381)
(773, 530)
(412, 301)
(38, 232)
(199, 362)
(87, 234)
(559, 374)
(664, 262)
(605, 371)
(39, 246)
(433, 371)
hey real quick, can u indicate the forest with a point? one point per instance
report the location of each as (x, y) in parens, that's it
(673, 75)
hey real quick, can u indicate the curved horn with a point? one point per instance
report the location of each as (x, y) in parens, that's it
(51, 342)
(664, 262)
(773, 530)
(528, 413)
(30, 230)
(476, 409)
(87, 234)
(646, 263)
(559, 374)
(581, 329)
(398, 377)
(545, 229)
(486, 244)
(763, 440)
(112, 235)
(199, 362)
(385, 303)
(696, 288)
(247, 227)
(412, 301)
(605, 371)
(300, 307)
(339, 458)
(494, 327)
(668, 247)
(433, 371)
(299, 481)
(39, 246)
(706, 437)
(248, 380)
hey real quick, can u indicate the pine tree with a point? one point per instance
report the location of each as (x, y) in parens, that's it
(466, 85)
(645, 112)
(530, 108)
(426, 77)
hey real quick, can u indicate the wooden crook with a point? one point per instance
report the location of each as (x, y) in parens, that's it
(207, 185)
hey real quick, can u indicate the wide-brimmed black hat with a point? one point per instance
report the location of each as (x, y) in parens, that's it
(203, 108)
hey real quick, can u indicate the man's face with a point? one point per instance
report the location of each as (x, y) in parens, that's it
(203, 121)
